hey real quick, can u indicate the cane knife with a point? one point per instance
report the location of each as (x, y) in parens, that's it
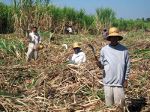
(96, 58)
(94, 51)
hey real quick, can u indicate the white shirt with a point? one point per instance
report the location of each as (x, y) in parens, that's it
(116, 62)
(35, 38)
(78, 58)
(69, 29)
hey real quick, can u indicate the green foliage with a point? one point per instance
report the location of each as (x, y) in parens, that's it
(100, 94)
(23, 14)
(140, 25)
(128, 25)
(69, 14)
(5, 18)
(12, 46)
(86, 91)
(75, 38)
(145, 53)
(57, 14)
(105, 16)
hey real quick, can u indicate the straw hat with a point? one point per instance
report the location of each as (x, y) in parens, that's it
(76, 45)
(114, 32)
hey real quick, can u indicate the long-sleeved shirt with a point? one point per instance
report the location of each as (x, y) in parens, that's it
(115, 60)
(78, 58)
(34, 38)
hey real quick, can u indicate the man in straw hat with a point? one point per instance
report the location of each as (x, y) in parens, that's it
(79, 56)
(114, 59)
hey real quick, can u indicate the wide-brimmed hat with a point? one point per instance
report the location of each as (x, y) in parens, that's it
(114, 32)
(76, 45)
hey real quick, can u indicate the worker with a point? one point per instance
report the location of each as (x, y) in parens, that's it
(114, 60)
(69, 29)
(79, 56)
(34, 40)
(105, 33)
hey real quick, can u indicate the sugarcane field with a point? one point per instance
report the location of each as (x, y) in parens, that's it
(59, 59)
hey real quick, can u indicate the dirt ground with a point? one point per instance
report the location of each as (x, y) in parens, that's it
(49, 84)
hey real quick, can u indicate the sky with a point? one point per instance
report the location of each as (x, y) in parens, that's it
(128, 9)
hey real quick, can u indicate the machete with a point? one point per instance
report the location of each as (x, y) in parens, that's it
(96, 58)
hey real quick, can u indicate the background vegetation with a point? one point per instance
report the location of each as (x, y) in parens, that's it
(22, 14)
